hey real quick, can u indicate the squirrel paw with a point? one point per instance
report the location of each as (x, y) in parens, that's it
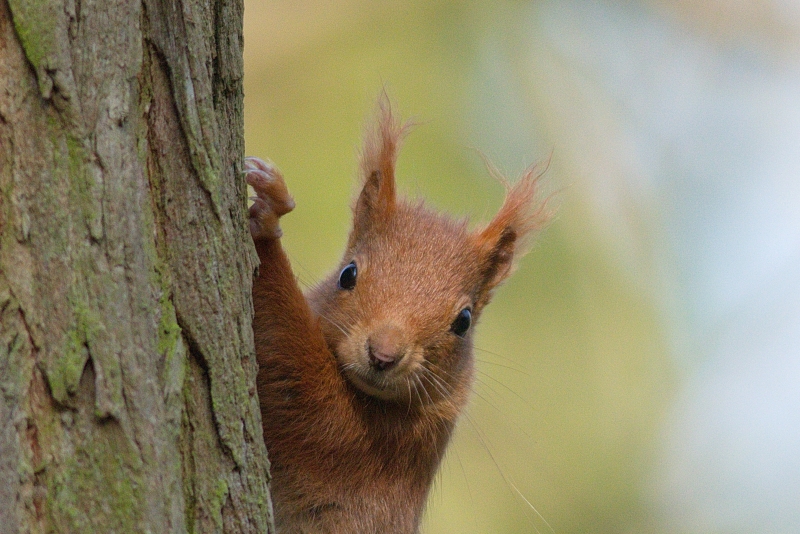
(272, 198)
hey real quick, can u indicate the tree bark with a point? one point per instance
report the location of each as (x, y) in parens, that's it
(127, 368)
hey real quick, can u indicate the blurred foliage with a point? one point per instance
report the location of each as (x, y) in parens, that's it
(573, 373)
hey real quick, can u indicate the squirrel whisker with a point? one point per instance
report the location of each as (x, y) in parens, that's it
(507, 478)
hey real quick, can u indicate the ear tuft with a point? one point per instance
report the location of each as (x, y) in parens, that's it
(382, 141)
(505, 239)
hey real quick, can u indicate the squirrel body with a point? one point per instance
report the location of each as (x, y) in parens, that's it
(361, 381)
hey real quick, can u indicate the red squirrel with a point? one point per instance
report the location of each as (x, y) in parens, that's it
(362, 379)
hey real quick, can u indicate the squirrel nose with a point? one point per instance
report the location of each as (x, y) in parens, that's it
(385, 347)
(382, 361)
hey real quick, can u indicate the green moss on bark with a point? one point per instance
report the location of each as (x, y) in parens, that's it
(65, 370)
(35, 22)
(218, 498)
(105, 460)
(173, 349)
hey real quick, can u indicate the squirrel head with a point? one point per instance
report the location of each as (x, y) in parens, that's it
(400, 311)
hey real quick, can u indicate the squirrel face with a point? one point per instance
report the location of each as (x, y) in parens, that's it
(400, 310)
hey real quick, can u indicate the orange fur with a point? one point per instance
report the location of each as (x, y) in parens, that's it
(354, 447)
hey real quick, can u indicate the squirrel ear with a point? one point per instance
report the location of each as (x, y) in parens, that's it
(504, 240)
(378, 156)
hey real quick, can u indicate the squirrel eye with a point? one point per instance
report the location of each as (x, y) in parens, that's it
(347, 278)
(462, 322)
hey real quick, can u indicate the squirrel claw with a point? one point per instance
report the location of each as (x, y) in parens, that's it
(272, 198)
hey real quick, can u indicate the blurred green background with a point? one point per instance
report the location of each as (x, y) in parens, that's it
(583, 353)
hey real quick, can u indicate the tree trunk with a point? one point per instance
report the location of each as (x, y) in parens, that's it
(127, 369)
